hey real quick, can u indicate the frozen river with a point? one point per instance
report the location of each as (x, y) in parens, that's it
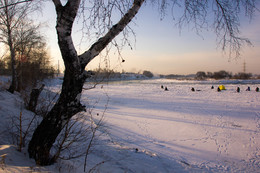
(202, 130)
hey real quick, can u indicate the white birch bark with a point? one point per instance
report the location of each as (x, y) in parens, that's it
(97, 47)
(68, 103)
(65, 18)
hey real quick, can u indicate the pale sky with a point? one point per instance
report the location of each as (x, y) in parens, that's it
(162, 49)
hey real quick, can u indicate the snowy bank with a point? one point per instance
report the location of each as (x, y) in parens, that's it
(148, 129)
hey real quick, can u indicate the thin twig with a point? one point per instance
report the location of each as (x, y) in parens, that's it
(15, 3)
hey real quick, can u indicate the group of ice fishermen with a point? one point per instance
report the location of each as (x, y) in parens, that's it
(238, 89)
(248, 89)
(212, 87)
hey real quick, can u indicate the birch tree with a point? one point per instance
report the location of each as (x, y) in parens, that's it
(225, 22)
(12, 13)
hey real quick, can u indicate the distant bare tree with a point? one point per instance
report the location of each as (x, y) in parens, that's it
(98, 17)
(33, 63)
(12, 13)
(148, 74)
(201, 75)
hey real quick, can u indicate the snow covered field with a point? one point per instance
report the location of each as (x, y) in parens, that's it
(152, 130)
(204, 130)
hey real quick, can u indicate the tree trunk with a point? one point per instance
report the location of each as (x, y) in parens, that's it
(68, 103)
(75, 75)
(14, 82)
(50, 127)
(34, 98)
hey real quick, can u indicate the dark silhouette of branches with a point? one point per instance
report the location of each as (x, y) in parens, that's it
(15, 3)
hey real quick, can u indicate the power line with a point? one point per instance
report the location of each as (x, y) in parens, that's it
(244, 66)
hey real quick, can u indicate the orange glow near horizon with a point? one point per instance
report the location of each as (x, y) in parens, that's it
(161, 49)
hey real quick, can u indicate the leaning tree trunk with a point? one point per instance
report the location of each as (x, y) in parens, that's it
(68, 103)
(75, 75)
(48, 130)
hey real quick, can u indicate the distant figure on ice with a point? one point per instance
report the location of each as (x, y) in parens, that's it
(192, 89)
(238, 89)
(162, 86)
(219, 89)
(248, 89)
(212, 87)
(257, 89)
(166, 89)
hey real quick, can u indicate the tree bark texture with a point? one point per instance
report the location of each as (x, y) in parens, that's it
(75, 75)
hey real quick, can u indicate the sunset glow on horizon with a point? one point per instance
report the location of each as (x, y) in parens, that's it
(163, 49)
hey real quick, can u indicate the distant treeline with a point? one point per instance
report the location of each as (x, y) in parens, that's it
(200, 75)
(104, 74)
(176, 76)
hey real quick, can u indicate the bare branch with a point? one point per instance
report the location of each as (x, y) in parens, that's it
(15, 3)
(220, 15)
(226, 25)
(97, 47)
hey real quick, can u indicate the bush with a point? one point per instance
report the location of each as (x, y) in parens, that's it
(201, 75)
(148, 74)
(30, 73)
(221, 75)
